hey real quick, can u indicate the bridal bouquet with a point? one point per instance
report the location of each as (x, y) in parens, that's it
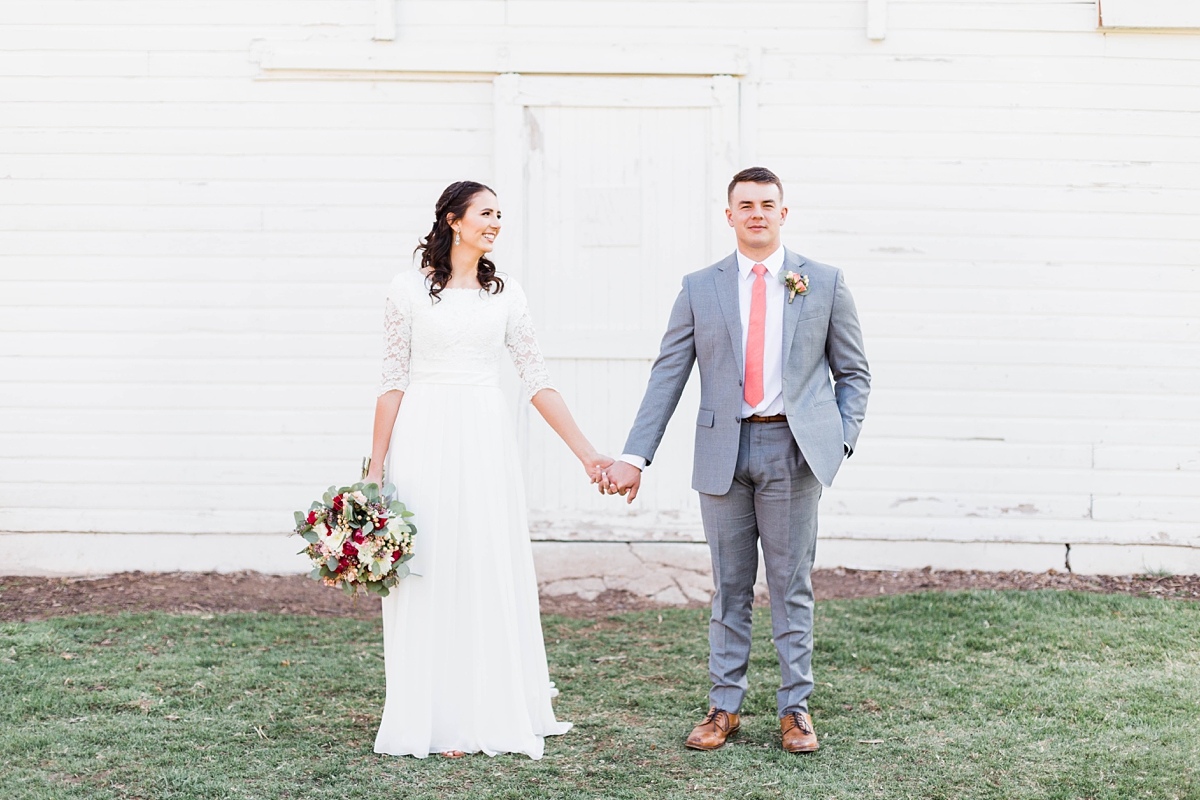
(358, 538)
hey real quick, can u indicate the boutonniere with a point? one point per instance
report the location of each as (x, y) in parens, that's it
(796, 284)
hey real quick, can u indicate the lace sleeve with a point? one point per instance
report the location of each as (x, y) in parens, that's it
(522, 345)
(397, 349)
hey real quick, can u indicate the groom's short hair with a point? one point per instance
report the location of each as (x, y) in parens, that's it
(755, 175)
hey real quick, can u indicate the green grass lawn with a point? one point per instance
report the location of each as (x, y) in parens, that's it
(975, 695)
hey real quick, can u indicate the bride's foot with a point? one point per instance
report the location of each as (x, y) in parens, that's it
(452, 754)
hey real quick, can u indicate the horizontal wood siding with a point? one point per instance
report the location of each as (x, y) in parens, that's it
(1019, 226)
(193, 251)
(193, 258)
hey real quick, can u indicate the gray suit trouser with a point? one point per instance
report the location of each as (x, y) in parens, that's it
(773, 500)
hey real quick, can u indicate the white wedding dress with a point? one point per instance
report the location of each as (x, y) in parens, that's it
(462, 636)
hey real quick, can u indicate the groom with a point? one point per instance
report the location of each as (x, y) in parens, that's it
(768, 327)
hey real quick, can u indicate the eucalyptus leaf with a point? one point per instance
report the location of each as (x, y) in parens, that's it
(315, 574)
(402, 571)
(299, 516)
(310, 536)
(388, 490)
(331, 563)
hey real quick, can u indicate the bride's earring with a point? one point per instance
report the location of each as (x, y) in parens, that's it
(457, 240)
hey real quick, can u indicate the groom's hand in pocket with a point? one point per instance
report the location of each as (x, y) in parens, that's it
(624, 479)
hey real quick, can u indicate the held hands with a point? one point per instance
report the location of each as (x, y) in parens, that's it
(622, 478)
(595, 465)
(613, 477)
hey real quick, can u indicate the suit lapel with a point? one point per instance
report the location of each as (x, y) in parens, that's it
(791, 311)
(727, 297)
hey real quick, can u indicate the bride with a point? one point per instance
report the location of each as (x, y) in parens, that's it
(462, 637)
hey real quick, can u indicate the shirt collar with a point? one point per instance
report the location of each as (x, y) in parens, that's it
(773, 263)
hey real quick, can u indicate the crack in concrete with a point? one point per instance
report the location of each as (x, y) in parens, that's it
(668, 573)
(678, 586)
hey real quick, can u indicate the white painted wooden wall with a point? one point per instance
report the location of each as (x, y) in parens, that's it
(200, 203)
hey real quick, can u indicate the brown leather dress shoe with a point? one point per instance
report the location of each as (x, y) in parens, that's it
(798, 733)
(717, 727)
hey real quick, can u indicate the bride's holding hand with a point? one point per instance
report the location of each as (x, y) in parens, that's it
(465, 660)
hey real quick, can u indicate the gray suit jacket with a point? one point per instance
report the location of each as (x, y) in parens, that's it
(821, 336)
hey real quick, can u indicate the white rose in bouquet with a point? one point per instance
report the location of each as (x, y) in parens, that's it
(332, 538)
(381, 561)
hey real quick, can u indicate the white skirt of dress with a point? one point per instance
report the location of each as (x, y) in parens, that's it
(462, 636)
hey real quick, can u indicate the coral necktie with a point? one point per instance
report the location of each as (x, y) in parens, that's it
(755, 337)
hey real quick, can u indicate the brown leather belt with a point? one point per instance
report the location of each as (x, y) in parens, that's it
(772, 418)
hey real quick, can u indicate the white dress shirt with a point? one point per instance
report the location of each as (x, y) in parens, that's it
(772, 401)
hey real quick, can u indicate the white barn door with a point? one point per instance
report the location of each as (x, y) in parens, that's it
(613, 189)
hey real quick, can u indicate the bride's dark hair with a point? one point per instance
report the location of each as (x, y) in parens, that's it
(435, 248)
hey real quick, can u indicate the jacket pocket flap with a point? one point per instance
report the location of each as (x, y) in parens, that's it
(705, 418)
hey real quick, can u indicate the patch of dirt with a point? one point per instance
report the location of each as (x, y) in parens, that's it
(25, 598)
